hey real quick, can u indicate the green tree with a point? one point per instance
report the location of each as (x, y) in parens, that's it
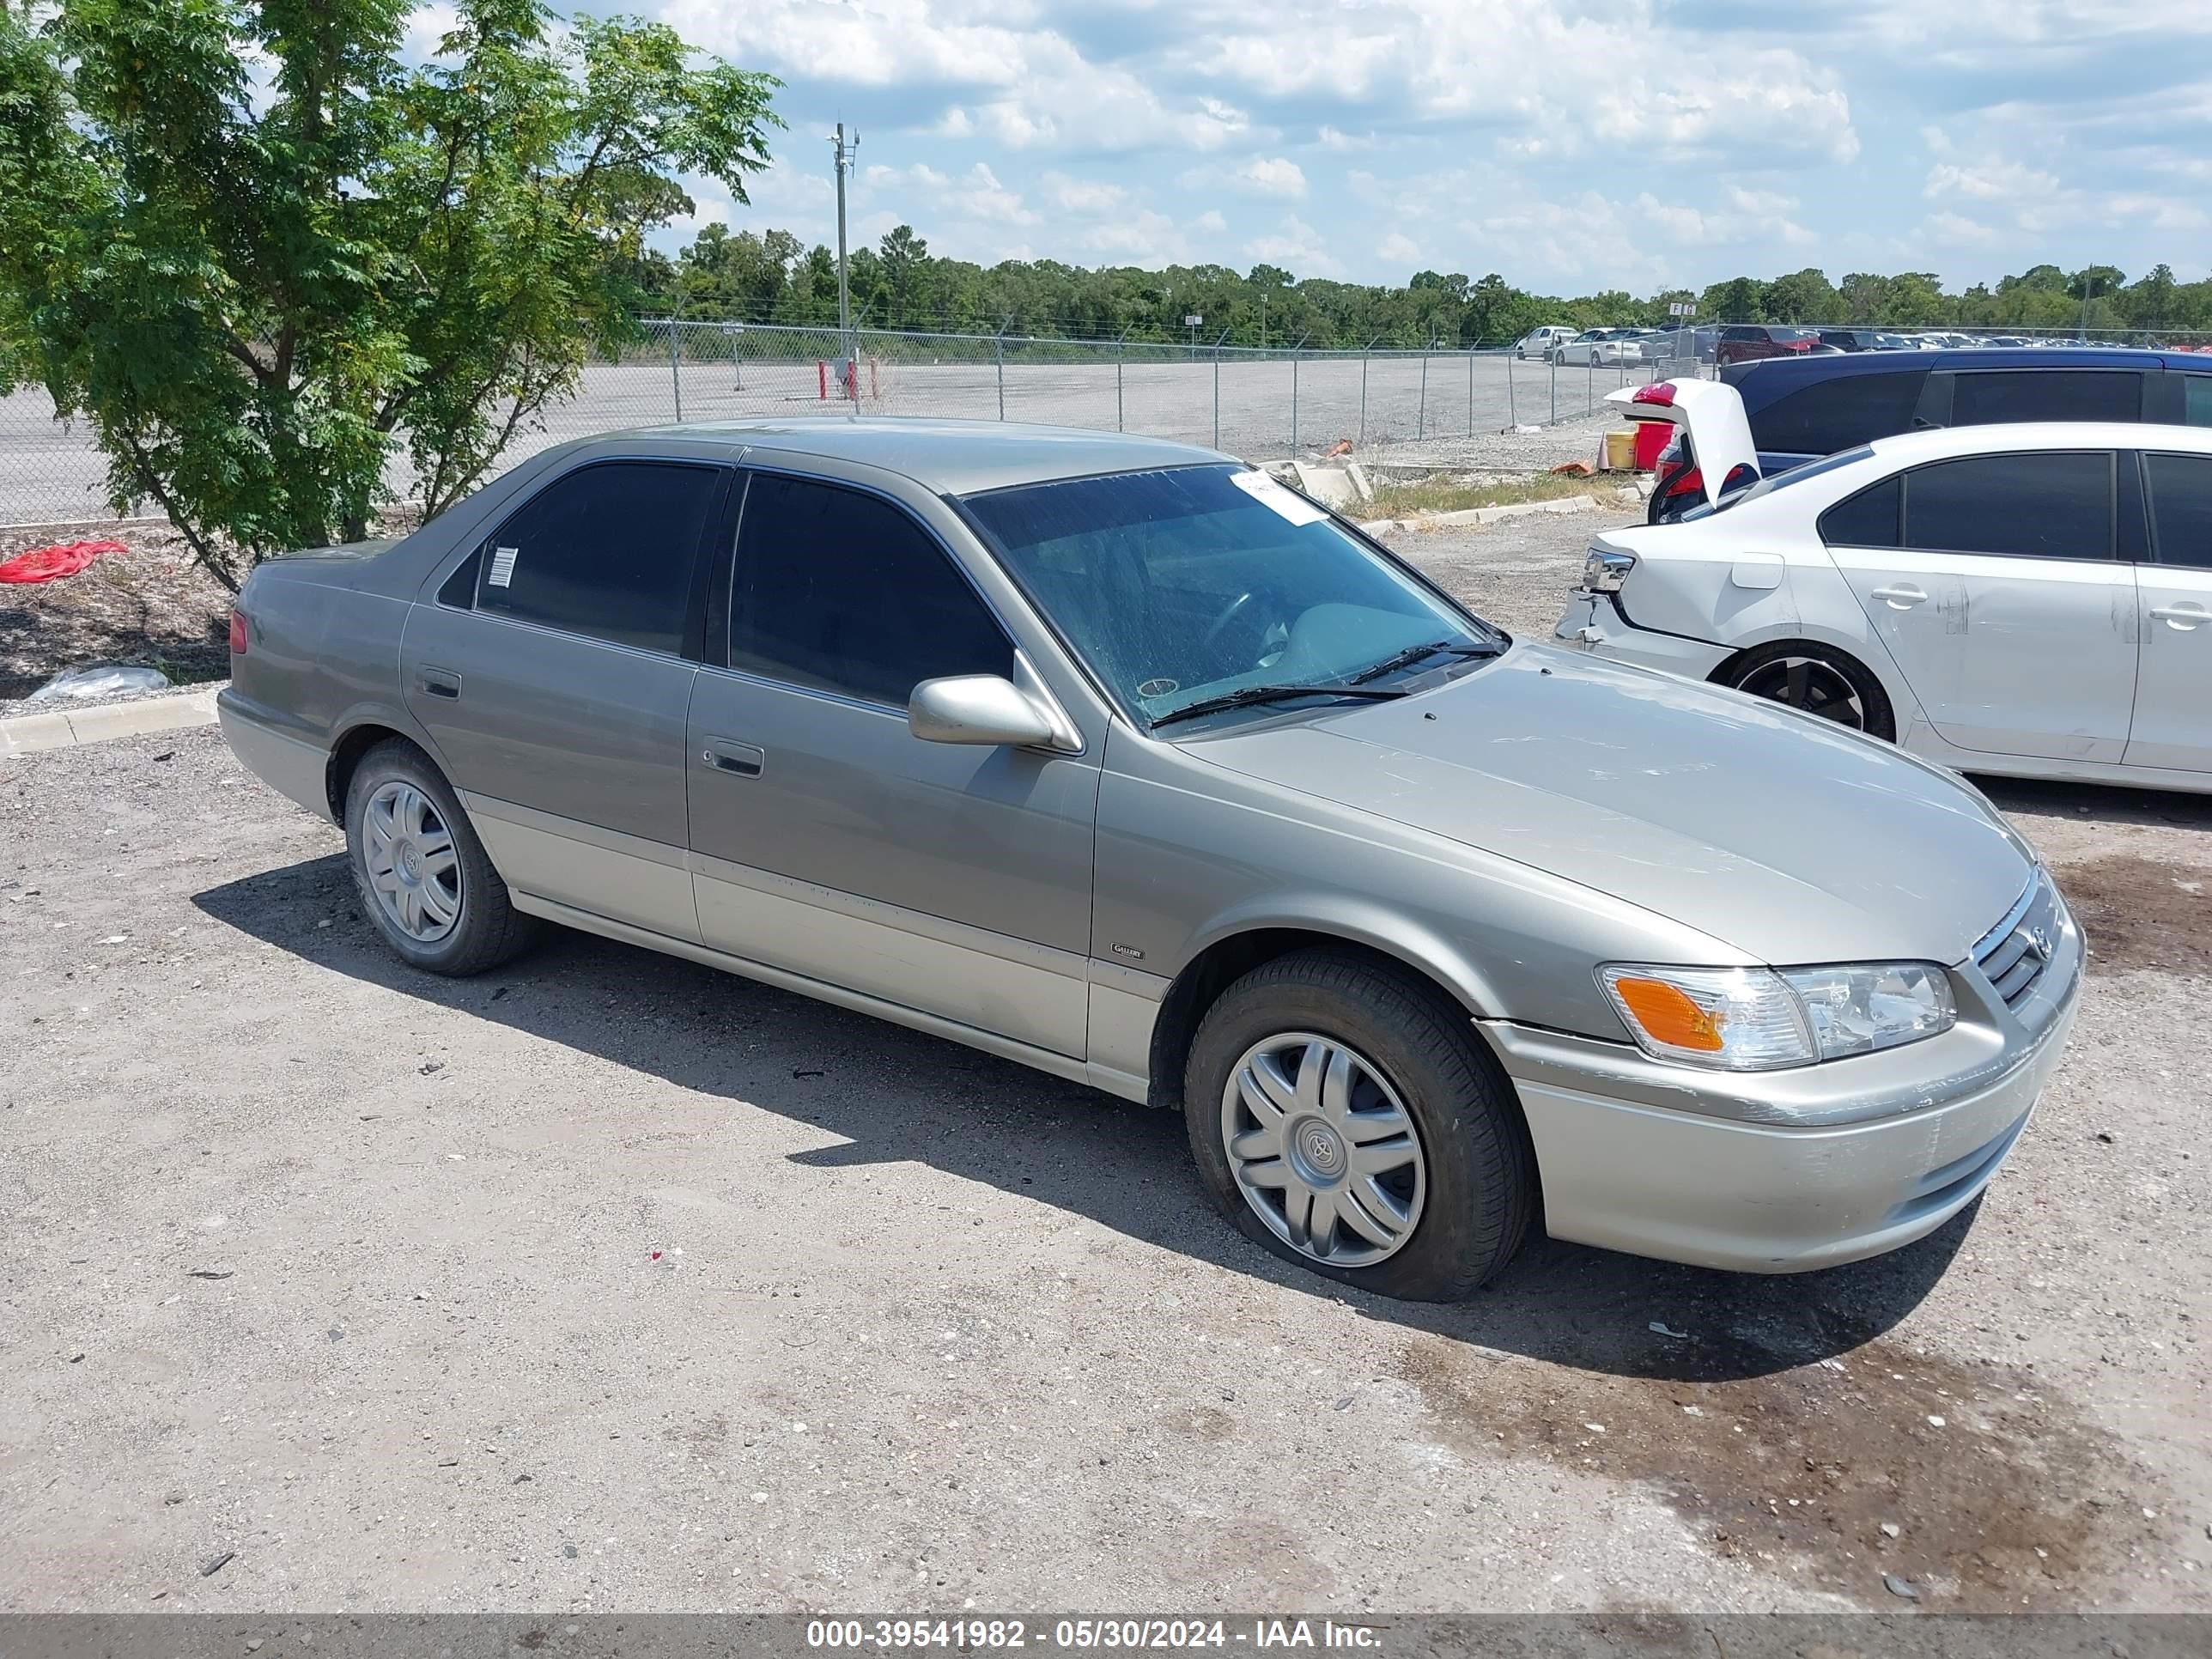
(255, 296)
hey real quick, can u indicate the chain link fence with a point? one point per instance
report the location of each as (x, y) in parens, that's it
(1261, 404)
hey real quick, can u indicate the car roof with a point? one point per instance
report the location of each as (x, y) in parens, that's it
(1908, 448)
(1771, 377)
(947, 456)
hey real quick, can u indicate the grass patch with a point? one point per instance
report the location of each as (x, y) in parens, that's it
(1447, 495)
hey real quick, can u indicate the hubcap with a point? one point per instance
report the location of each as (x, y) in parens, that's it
(1807, 683)
(1323, 1150)
(413, 868)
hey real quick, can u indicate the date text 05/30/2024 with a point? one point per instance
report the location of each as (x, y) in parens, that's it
(873, 1635)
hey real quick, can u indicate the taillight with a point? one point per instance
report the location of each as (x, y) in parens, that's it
(1686, 481)
(1659, 391)
(237, 633)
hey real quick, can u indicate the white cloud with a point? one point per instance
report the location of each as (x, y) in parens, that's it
(1083, 196)
(1276, 175)
(1767, 203)
(1299, 246)
(1399, 249)
(1210, 221)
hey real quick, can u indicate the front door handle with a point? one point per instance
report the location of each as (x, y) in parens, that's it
(2183, 617)
(439, 683)
(741, 760)
(1901, 596)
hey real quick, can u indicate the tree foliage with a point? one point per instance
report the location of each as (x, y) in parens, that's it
(263, 258)
(754, 277)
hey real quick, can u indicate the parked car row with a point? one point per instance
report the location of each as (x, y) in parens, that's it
(1116, 758)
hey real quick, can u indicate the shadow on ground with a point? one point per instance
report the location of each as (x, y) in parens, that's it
(1124, 1166)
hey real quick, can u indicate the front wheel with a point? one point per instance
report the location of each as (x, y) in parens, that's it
(424, 877)
(1346, 1117)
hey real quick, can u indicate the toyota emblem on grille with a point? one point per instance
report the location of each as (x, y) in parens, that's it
(2039, 942)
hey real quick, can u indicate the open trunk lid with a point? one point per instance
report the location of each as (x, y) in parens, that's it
(1712, 416)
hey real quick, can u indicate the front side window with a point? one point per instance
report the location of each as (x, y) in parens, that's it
(2047, 504)
(1181, 585)
(1994, 397)
(2181, 507)
(839, 591)
(607, 551)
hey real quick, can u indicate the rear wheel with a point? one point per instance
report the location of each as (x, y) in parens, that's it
(424, 878)
(1815, 680)
(1347, 1118)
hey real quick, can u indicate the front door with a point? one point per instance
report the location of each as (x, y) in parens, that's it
(2004, 605)
(2173, 683)
(826, 840)
(548, 671)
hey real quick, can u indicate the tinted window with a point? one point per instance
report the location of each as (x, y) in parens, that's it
(1838, 411)
(2181, 507)
(2197, 399)
(1866, 519)
(2046, 394)
(2048, 505)
(843, 592)
(607, 551)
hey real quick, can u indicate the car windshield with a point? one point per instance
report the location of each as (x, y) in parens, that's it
(1184, 585)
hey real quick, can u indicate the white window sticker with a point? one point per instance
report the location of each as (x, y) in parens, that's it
(1286, 504)
(503, 566)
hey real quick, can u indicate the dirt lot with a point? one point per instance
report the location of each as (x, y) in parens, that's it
(608, 1282)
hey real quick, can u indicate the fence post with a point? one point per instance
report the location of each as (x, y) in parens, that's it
(1421, 419)
(1120, 356)
(1217, 388)
(1364, 352)
(1590, 382)
(1552, 363)
(675, 371)
(1470, 392)
(1512, 407)
(1294, 388)
(998, 356)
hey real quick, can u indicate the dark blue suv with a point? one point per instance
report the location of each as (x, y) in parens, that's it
(1802, 407)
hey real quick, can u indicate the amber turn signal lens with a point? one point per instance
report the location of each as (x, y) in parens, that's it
(1670, 1015)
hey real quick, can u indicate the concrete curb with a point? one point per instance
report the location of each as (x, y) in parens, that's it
(28, 734)
(1481, 514)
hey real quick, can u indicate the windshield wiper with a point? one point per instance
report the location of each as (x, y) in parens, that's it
(1413, 653)
(1246, 696)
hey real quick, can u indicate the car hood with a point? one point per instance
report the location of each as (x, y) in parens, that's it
(1789, 839)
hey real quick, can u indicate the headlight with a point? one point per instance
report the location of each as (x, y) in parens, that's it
(1603, 570)
(1757, 1019)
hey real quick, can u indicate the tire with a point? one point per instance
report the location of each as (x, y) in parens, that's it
(483, 928)
(1475, 1191)
(1814, 679)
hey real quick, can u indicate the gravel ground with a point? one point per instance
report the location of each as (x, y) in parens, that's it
(608, 1282)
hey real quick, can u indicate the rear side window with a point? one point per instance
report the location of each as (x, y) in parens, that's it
(1869, 518)
(1838, 411)
(838, 591)
(607, 551)
(2181, 508)
(2044, 505)
(1997, 396)
(2197, 399)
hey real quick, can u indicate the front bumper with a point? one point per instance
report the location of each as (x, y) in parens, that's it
(1593, 622)
(1787, 1171)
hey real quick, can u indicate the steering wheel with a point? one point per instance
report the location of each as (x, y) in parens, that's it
(1228, 614)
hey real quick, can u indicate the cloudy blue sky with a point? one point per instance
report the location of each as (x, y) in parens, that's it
(1568, 144)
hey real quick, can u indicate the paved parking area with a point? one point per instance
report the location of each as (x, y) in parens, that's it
(605, 1281)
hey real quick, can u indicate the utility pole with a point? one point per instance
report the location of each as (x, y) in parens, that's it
(845, 155)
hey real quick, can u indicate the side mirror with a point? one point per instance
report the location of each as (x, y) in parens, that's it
(978, 708)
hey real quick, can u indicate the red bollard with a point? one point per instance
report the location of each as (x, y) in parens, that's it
(822, 377)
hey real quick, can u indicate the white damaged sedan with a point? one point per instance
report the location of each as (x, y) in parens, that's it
(2028, 601)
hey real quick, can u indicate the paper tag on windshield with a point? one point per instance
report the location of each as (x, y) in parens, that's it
(503, 566)
(1286, 504)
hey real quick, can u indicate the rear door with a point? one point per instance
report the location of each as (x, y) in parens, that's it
(551, 672)
(2172, 725)
(1995, 582)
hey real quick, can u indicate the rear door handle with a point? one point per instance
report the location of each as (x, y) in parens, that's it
(1901, 596)
(438, 682)
(742, 759)
(2183, 617)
